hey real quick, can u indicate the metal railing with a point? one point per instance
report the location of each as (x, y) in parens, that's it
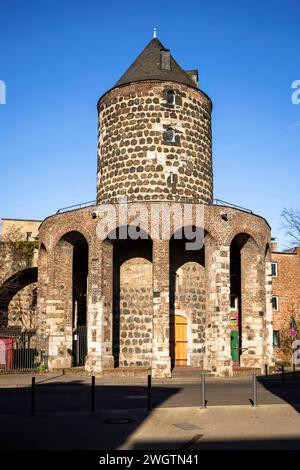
(76, 206)
(217, 202)
(22, 352)
(220, 202)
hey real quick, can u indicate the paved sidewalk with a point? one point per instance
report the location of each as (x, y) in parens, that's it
(234, 427)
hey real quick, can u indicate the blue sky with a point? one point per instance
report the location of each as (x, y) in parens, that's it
(58, 57)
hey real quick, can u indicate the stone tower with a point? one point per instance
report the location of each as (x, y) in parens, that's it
(110, 301)
(154, 140)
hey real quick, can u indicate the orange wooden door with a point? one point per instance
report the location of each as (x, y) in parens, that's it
(180, 346)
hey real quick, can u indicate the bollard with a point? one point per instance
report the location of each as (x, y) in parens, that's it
(93, 395)
(203, 400)
(282, 374)
(149, 393)
(254, 383)
(32, 405)
(266, 370)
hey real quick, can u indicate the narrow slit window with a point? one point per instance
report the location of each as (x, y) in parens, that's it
(170, 135)
(274, 269)
(171, 98)
(276, 338)
(275, 302)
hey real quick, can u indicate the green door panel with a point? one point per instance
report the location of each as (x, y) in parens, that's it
(234, 343)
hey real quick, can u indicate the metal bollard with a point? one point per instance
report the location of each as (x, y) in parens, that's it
(282, 374)
(266, 370)
(32, 404)
(203, 400)
(254, 383)
(149, 393)
(93, 395)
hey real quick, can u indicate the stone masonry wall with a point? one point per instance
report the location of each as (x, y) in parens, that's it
(134, 158)
(136, 313)
(22, 308)
(55, 269)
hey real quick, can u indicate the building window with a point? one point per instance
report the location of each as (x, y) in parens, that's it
(276, 338)
(233, 302)
(275, 302)
(172, 179)
(274, 269)
(171, 98)
(169, 135)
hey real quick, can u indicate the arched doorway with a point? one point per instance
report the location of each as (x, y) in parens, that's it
(71, 272)
(246, 300)
(235, 298)
(79, 317)
(132, 298)
(187, 302)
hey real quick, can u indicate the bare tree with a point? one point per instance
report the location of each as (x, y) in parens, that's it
(291, 224)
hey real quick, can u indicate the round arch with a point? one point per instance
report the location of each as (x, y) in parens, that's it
(243, 231)
(12, 286)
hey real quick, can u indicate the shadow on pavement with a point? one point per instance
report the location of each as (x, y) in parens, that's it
(286, 388)
(197, 443)
(63, 417)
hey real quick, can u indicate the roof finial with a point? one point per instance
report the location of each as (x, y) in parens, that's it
(154, 32)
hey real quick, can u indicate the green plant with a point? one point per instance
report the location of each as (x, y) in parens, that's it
(42, 368)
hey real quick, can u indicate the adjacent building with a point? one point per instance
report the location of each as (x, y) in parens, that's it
(285, 300)
(19, 229)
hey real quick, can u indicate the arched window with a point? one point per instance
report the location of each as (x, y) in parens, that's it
(170, 135)
(171, 98)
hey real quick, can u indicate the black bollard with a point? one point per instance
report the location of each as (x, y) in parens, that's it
(149, 393)
(93, 395)
(203, 400)
(266, 370)
(32, 404)
(254, 383)
(282, 374)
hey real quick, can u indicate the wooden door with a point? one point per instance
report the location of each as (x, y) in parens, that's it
(179, 339)
(234, 344)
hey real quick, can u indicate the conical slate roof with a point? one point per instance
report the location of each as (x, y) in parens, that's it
(147, 66)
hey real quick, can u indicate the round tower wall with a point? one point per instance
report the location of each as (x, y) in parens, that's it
(150, 149)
